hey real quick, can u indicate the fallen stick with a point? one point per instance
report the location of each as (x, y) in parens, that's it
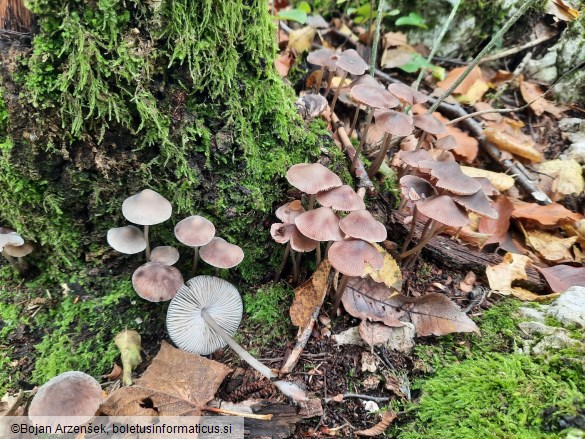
(302, 340)
(360, 396)
(515, 50)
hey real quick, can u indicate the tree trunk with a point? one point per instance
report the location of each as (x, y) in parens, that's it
(14, 16)
(116, 96)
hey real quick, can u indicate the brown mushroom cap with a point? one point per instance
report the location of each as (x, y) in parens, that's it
(362, 225)
(374, 96)
(366, 80)
(312, 178)
(341, 198)
(147, 208)
(429, 123)
(157, 282)
(487, 187)
(283, 233)
(350, 256)
(69, 394)
(450, 177)
(221, 254)
(322, 57)
(289, 211)
(320, 224)
(477, 203)
(412, 158)
(128, 239)
(407, 94)
(10, 238)
(446, 143)
(195, 231)
(165, 254)
(443, 209)
(416, 188)
(394, 122)
(350, 61)
(19, 251)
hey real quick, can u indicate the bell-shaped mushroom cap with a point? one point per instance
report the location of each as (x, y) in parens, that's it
(165, 254)
(322, 57)
(446, 143)
(350, 61)
(407, 94)
(366, 80)
(362, 225)
(19, 251)
(374, 96)
(394, 122)
(186, 326)
(128, 239)
(221, 254)
(416, 188)
(312, 178)
(341, 198)
(195, 231)
(350, 256)
(289, 211)
(283, 233)
(69, 394)
(444, 210)
(156, 282)
(10, 238)
(412, 158)
(320, 224)
(450, 177)
(429, 123)
(477, 203)
(147, 208)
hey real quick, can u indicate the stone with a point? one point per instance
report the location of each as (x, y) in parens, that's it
(349, 336)
(569, 308)
(570, 124)
(576, 152)
(531, 328)
(555, 341)
(545, 68)
(534, 314)
(402, 338)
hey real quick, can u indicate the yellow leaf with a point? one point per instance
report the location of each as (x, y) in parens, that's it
(309, 295)
(527, 296)
(518, 145)
(501, 276)
(567, 174)
(474, 93)
(576, 229)
(301, 39)
(389, 274)
(551, 247)
(502, 182)
(128, 342)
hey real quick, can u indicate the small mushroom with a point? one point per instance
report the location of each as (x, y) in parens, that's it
(128, 239)
(156, 282)
(407, 94)
(19, 252)
(68, 394)
(320, 224)
(147, 208)
(322, 58)
(450, 177)
(350, 62)
(415, 189)
(289, 211)
(341, 198)
(10, 237)
(221, 254)
(195, 231)
(312, 178)
(361, 224)
(165, 254)
(203, 317)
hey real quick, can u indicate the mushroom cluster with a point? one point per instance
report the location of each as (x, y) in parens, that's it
(12, 246)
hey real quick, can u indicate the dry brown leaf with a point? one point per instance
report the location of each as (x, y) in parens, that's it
(549, 215)
(378, 429)
(10, 404)
(567, 176)
(309, 295)
(561, 10)
(512, 268)
(482, 106)
(467, 234)
(301, 39)
(463, 88)
(576, 229)
(397, 56)
(345, 30)
(466, 285)
(528, 296)
(366, 299)
(177, 383)
(115, 374)
(374, 334)
(284, 62)
(393, 39)
(514, 144)
(562, 277)
(497, 228)
(502, 182)
(389, 274)
(531, 93)
(551, 247)
(467, 146)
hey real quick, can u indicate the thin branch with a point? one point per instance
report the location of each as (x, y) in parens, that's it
(381, 6)
(360, 396)
(520, 48)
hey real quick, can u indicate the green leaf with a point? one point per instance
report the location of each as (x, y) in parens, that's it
(418, 62)
(413, 19)
(392, 13)
(128, 342)
(363, 10)
(304, 6)
(297, 15)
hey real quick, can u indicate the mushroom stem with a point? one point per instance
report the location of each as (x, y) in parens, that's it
(282, 263)
(337, 90)
(377, 163)
(329, 83)
(285, 387)
(339, 293)
(318, 253)
(329, 244)
(22, 265)
(295, 266)
(420, 141)
(195, 259)
(412, 229)
(11, 260)
(435, 230)
(354, 121)
(311, 202)
(363, 140)
(147, 243)
(319, 79)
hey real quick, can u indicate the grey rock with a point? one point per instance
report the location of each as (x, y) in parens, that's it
(531, 328)
(349, 336)
(545, 68)
(534, 314)
(576, 152)
(558, 340)
(570, 124)
(402, 339)
(569, 308)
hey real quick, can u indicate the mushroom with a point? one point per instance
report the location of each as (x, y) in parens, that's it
(350, 62)
(320, 224)
(68, 394)
(195, 231)
(322, 58)
(203, 317)
(156, 282)
(128, 239)
(312, 178)
(429, 126)
(361, 224)
(414, 189)
(450, 177)
(19, 252)
(407, 94)
(341, 198)
(10, 237)
(221, 254)
(147, 208)
(165, 254)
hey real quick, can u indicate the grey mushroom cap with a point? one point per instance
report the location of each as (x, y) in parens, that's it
(147, 208)
(350, 61)
(165, 254)
(19, 251)
(10, 238)
(128, 239)
(156, 282)
(194, 231)
(185, 324)
(69, 394)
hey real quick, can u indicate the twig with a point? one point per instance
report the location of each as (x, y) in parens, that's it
(360, 396)
(302, 340)
(515, 50)
(381, 6)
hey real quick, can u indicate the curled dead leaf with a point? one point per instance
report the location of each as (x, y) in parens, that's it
(549, 215)
(387, 418)
(301, 39)
(467, 284)
(551, 247)
(309, 295)
(498, 228)
(512, 268)
(471, 89)
(562, 277)
(566, 175)
(514, 144)
(531, 93)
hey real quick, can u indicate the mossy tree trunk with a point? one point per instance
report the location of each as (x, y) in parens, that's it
(115, 96)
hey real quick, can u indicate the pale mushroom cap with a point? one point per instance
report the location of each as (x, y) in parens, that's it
(320, 224)
(147, 208)
(312, 178)
(322, 57)
(373, 96)
(350, 61)
(187, 328)
(416, 188)
(165, 254)
(429, 123)
(221, 254)
(450, 177)
(289, 211)
(366, 80)
(69, 394)
(446, 143)
(477, 203)
(350, 256)
(194, 231)
(156, 282)
(19, 251)
(362, 225)
(407, 94)
(128, 239)
(10, 238)
(341, 198)
(412, 158)
(394, 122)
(444, 210)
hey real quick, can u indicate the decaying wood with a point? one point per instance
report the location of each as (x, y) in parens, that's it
(302, 340)
(461, 258)
(14, 16)
(282, 425)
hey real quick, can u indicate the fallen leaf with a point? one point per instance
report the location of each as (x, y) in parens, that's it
(551, 247)
(9, 404)
(498, 228)
(393, 39)
(502, 182)
(389, 274)
(512, 143)
(576, 229)
(301, 39)
(549, 215)
(482, 106)
(366, 299)
(284, 62)
(378, 429)
(528, 296)
(374, 334)
(397, 56)
(467, 234)
(345, 30)
(467, 284)
(369, 362)
(128, 343)
(467, 84)
(531, 93)
(561, 10)
(567, 176)
(309, 295)
(562, 277)
(512, 268)
(115, 374)
(337, 398)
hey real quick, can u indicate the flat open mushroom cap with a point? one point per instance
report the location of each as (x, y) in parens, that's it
(289, 211)
(362, 225)
(147, 208)
(487, 187)
(394, 122)
(450, 177)
(128, 239)
(156, 282)
(350, 61)
(416, 188)
(312, 178)
(283, 233)
(322, 57)
(165, 254)
(221, 254)
(374, 96)
(187, 328)
(412, 158)
(366, 80)
(10, 238)
(350, 256)
(477, 203)
(446, 143)
(407, 94)
(19, 251)
(341, 198)
(320, 224)
(444, 210)
(69, 394)
(429, 123)
(195, 231)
